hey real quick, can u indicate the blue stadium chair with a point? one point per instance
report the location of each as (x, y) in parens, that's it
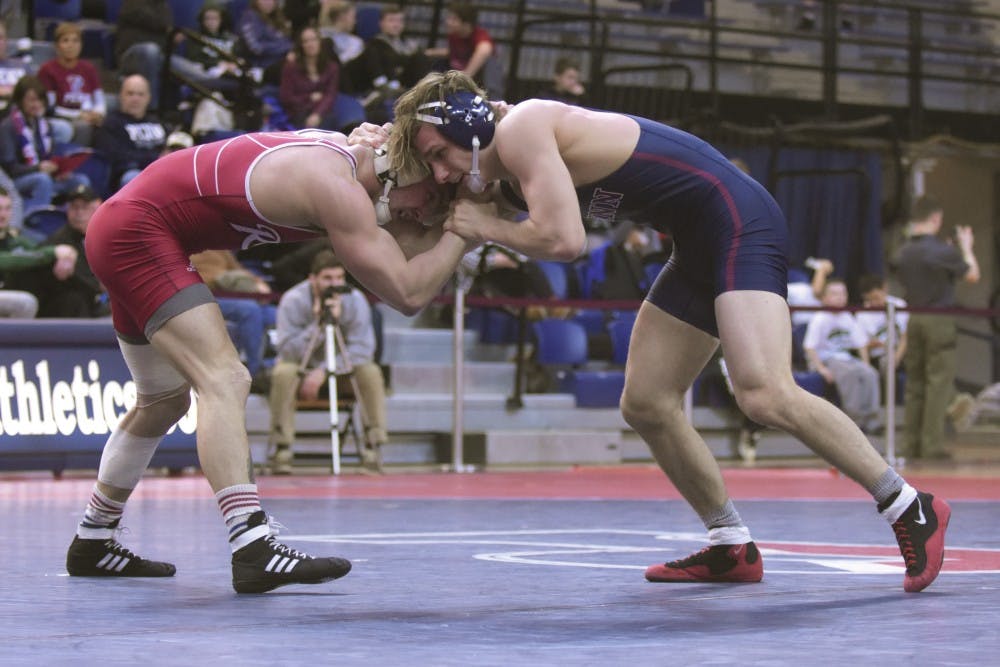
(42, 222)
(111, 9)
(798, 352)
(620, 331)
(561, 346)
(63, 10)
(811, 382)
(598, 389)
(235, 9)
(366, 25)
(650, 272)
(556, 274)
(560, 342)
(98, 169)
(591, 319)
(494, 325)
(186, 13)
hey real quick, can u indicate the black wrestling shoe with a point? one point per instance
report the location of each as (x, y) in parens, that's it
(265, 564)
(920, 533)
(108, 558)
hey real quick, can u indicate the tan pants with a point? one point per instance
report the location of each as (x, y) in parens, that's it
(284, 395)
(930, 383)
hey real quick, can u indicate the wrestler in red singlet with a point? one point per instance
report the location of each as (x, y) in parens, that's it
(140, 240)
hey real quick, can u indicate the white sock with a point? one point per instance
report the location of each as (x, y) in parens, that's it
(729, 535)
(237, 504)
(905, 498)
(99, 516)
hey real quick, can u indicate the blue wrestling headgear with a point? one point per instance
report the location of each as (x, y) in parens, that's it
(460, 118)
(465, 119)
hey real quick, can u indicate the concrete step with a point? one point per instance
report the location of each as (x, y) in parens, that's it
(478, 377)
(423, 345)
(552, 447)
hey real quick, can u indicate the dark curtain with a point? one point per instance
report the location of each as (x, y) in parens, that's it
(829, 213)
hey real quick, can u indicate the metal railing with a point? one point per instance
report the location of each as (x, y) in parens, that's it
(897, 45)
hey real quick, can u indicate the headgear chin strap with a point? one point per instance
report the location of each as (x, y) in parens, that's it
(389, 178)
(466, 120)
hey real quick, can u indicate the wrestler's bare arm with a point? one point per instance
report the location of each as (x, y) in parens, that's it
(527, 147)
(374, 257)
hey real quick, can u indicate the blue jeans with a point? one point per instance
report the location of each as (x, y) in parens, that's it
(247, 319)
(39, 188)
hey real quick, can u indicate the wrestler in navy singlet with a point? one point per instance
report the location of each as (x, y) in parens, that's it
(728, 232)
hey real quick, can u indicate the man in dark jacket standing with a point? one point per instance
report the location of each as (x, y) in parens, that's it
(928, 269)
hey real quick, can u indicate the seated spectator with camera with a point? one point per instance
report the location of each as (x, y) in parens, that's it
(300, 372)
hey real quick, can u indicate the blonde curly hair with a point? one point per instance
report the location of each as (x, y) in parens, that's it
(434, 87)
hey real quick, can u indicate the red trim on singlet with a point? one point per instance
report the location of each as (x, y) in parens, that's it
(727, 197)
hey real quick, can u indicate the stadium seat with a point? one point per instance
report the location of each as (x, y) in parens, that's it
(620, 331)
(98, 170)
(556, 274)
(42, 222)
(561, 347)
(111, 9)
(366, 25)
(560, 342)
(62, 10)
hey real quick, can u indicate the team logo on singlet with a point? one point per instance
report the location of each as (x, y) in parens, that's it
(603, 207)
(258, 235)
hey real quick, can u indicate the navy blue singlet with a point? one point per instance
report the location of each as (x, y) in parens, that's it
(728, 232)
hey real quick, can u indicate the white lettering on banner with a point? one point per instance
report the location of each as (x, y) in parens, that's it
(43, 405)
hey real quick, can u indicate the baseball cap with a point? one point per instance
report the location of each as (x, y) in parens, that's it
(180, 139)
(84, 192)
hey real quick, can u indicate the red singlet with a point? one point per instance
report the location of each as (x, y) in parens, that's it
(139, 241)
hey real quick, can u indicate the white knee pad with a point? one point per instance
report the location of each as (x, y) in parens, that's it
(155, 377)
(125, 458)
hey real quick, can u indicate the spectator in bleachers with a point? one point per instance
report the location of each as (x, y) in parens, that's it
(213, 25)
(471, 49)
(301, 13)
(392, 63)
(74, 88)
(336, 22)
(807, 292)
(831, 343)
(310, 87)
(20, 256)
(144, 28)
(566, 84)
(131, 136)
(301, 370)
(264, 34)
(12, 68)
(875, 294)
(212, 120)
(81, 294)
(27, 148)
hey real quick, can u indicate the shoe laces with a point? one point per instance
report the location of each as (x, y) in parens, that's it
(693, 559)
(274, 526)
(286, 550)
(905, 543)
(117, 548)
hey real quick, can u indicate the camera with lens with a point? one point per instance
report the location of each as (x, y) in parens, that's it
(330, 291)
